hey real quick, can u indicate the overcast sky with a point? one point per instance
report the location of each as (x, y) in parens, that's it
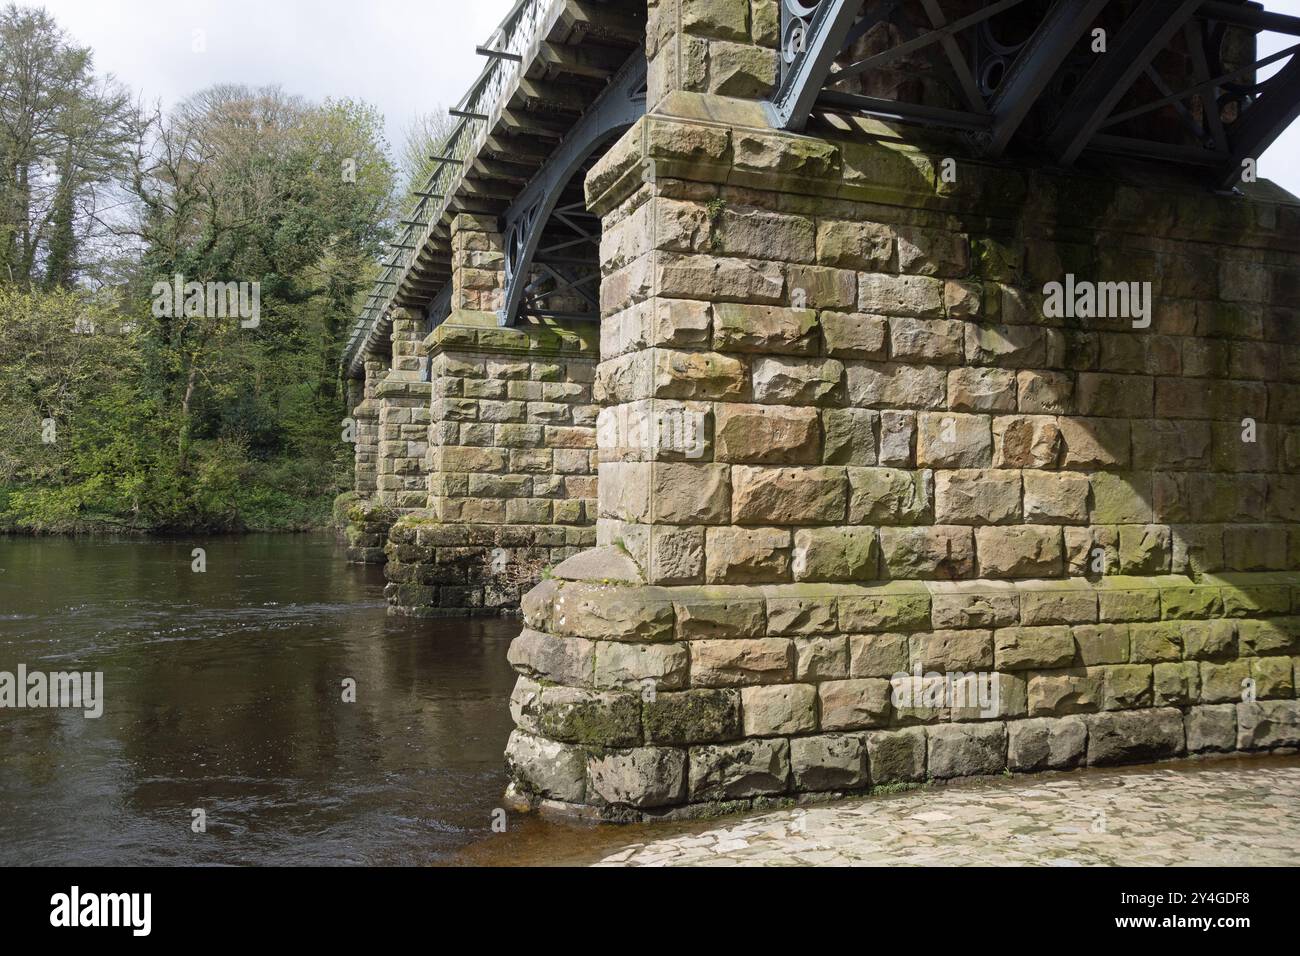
(403, 56)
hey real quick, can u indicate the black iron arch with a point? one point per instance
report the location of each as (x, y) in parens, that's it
(540, 205)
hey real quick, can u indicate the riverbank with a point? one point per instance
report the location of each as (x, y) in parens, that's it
(259, 511)
(1232, 811)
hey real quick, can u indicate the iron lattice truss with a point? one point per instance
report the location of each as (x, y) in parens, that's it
(1178, 81)
(562, 78)
(552, 265)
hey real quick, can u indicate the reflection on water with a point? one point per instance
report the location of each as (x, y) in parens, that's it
(223, 692)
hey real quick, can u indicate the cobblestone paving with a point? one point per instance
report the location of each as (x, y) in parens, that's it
(1245, 813)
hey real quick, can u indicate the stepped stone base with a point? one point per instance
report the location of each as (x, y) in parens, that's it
(454, 570)
(364, 524)
(638, 702)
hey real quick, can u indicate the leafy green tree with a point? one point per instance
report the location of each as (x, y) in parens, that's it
(64, 133)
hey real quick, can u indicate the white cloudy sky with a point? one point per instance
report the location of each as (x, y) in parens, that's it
(403, 56)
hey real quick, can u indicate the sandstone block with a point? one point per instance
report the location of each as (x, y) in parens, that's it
(638, 777)
(883, 294)
(1176, 683)
(937, 341)
(974, 604)
(950, 651)
(1045, 743)
(1224, 682)
(589, 718)
(1033, 648)
(1061, 692)
(963, 750)
(977, 496)
(727, 663)
(878, 655)
(812, 614)
(767, 434)
(952, 440)
(850, 436)
(897, 439)
(778, 709)
(726, 612)
(1135, 736)
(692, 717)
(977, 389)
(764, 328)
(833, 554)
(792, 381)
(1055, 497)
(641, 666)
(890, 611)
(746, 769)
(547, 768)
(933, 552)
(896, 756)
(562, 660)
(784, 496)
(1101, 644)
(1126, 686)
(1211, 727)
(742, 555)
(1026, 551)
(854, 335)
(705, 376)
(612, 611)
(854, 704)
(822, 658)
(895, 386)
(1268, 723)
(889, 496)
(829, 762)
(855, 245)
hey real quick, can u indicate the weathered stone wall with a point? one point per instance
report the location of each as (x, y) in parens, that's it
(512, 466)
(362, 519)
(365, 417)
(721, 47)
(511, 440)
(403, 398)
(842, 440)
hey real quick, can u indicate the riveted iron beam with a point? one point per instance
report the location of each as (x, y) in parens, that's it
(1144, 34)
(810, 48)
(1062, 27)
(1277, 108)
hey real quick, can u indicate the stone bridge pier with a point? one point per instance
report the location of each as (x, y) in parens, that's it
(511, 469)
(946, 417)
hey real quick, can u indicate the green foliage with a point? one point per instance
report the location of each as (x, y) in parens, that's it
(167, 421)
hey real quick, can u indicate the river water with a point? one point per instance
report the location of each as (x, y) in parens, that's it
(223, 692)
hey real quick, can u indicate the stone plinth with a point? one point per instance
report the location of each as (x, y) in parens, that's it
(656, 702)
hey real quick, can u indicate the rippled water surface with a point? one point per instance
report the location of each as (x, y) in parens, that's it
(223, 692)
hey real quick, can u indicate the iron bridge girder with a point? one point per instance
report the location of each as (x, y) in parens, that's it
(619, 106)
(816, 34)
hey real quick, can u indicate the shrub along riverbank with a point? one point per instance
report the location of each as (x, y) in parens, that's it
(123, 406)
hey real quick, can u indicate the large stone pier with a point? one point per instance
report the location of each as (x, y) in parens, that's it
(933, 440)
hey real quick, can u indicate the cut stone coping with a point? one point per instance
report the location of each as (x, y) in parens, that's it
(609, 564)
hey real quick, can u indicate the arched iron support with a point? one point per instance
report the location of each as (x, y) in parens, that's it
(619, 106)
